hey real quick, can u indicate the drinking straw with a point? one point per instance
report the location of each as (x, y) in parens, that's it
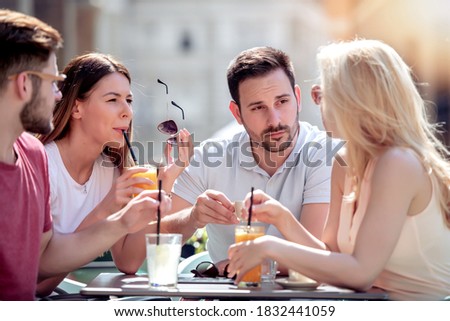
(158, 222)
(129, 146)
(250, 209)
(159, 165)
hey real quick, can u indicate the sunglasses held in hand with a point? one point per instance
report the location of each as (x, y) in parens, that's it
(169, 127)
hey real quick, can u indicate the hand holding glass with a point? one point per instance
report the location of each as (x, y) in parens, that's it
(247, 233)
(151, 174)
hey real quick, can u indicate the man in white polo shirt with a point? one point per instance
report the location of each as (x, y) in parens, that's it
(288, 159)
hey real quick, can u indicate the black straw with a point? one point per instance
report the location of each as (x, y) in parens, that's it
(129, 147)
(158, 222)
(250, 208)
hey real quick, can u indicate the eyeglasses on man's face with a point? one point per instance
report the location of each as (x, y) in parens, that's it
(169, 127)
(55, 79)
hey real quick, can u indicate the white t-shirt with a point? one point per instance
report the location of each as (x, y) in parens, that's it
(227, 165)
(71, 202)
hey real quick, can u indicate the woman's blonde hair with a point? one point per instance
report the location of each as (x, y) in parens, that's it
(375, 103)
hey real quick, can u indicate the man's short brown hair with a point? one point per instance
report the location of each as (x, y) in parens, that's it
(25, 43)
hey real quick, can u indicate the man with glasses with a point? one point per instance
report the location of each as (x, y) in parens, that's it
(288, 159)
(29, 249)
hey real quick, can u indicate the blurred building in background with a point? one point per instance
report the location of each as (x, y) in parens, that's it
(189, 43)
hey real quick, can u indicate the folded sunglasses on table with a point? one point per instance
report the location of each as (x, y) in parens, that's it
(205, 272)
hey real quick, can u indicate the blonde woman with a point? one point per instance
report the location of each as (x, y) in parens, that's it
(389, 222)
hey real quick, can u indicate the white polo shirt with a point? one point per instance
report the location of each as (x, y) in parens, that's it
(227, 165)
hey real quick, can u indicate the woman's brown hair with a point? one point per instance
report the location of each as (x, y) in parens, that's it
(83, 73)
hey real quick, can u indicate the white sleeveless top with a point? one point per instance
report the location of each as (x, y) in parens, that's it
(71, 202)
(419, 267)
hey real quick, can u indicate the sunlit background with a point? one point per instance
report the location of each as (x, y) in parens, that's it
(189, 43)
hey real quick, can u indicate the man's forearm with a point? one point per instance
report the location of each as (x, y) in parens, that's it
(85, 245)
(179, 222)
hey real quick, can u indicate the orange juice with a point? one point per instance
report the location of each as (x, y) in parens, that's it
(151, 174)
(248, 233)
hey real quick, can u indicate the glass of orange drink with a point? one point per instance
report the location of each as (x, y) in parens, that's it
(247, 233)
(151, 174)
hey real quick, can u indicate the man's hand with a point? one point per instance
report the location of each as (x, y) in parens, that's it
(213, 207)
(141, 210)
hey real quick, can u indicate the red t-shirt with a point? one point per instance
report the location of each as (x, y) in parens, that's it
(24, 217)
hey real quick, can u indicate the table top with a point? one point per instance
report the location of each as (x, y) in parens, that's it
(118, 284)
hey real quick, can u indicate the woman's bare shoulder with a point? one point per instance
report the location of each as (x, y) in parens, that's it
(401, 165)
(402, 157)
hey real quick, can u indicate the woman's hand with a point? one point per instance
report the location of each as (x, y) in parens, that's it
(246, 255)
(123, 189)
(266, 209)
(168, 174)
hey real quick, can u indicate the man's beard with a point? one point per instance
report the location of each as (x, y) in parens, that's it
(270, 146)
(31, 116)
